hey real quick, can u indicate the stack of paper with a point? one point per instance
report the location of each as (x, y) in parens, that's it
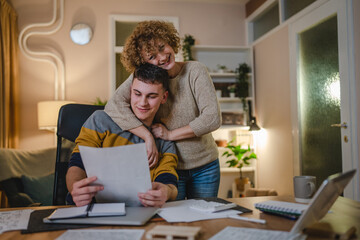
(181, 211)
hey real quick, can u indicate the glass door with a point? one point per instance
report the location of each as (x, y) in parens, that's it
(320, 86)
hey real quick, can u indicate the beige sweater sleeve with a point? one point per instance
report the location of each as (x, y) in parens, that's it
(119, 109)
(209, 118)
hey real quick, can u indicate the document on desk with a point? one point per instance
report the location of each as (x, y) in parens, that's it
(103, 234)
(236, 233)
(14, 220)
(123, 171)
(181, 211)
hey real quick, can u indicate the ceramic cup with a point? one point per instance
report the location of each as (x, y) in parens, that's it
(218, 93)
(304, 188)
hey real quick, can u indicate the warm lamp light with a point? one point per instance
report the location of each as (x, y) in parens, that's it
(48, 112)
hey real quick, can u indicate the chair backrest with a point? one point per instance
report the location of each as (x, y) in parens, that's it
(71, 119)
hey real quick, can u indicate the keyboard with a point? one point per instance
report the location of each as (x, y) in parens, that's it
(210, 207)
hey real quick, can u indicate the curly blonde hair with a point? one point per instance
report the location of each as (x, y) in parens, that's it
(144, 36)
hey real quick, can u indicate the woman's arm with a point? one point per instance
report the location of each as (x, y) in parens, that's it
(119, 109)
(203, 89)
(209, 118)
(160, 131)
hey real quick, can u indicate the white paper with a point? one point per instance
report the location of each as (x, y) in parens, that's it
(180, 211)
(123, 171)
(14, 220)
(236, 233)
(103, 234)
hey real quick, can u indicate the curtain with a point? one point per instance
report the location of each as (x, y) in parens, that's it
(9, 78)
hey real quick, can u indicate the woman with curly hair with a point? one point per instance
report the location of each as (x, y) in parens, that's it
(188, 117)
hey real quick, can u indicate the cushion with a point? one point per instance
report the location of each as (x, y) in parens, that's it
(13, 189)
(17, 162)
(40, 189)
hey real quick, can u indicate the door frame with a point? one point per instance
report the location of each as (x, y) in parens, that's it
(343, 10)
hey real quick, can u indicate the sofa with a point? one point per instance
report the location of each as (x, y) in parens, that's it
(27, 176)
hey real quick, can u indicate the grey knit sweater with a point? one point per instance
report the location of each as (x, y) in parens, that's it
(192, 102)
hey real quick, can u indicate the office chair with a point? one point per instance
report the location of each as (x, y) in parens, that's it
(71, 118)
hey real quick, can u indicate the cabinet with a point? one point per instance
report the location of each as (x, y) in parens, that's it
(234, 117)
(230, 57)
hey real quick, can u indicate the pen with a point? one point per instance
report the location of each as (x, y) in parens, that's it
(262, 221)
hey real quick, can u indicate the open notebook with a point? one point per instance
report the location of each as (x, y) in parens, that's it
(324, 198)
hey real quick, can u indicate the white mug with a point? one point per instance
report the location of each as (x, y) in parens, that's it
(304, 188)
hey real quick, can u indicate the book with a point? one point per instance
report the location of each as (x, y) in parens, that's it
(284, 209)
(91, 210)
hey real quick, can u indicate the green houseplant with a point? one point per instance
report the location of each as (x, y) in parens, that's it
(99, 102)
(242, 83)
(188, 42)
(239, 157)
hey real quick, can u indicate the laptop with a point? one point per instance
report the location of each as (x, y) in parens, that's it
(135, 216)
(320, 204)
(323, 199)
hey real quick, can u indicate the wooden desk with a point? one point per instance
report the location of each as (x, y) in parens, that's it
(345, 213)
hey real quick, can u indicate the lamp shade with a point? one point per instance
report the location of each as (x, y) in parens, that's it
(48, 112)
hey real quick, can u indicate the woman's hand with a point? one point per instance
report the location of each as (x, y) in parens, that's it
(82, 193)
(160, 131)
(152, 151)
(156, 197)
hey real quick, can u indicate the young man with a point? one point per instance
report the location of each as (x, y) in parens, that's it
(148, 91)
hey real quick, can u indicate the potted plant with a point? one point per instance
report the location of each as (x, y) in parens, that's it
(242, 83)
(188, 42)
(232, 90)
(239, 157)
(99, 102)
(221, 68)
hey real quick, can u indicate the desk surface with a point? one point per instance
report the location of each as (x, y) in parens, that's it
(344, 214)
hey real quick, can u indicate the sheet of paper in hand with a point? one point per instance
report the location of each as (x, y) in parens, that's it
(123, 171)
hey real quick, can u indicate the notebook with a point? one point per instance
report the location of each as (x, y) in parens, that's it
(91, 210)
(286, 209)
(134, 216)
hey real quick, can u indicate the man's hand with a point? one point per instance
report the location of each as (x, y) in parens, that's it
(82, 193)
(157, 196)
(160, 131)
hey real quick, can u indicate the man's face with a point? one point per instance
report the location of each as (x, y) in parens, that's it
(146, 99)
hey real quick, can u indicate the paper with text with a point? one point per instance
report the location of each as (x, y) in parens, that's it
(236, 233)
(103, 234)
(123, 171)
(14, 220)
(181, 211)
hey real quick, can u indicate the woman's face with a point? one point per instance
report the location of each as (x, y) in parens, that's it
(163, 56)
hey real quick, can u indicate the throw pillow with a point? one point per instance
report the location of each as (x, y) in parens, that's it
(40, 189)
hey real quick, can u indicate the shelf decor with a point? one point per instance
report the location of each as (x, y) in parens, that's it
(188, 42)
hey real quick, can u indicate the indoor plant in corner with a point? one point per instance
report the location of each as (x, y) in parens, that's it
(239, 157)
(242, 84)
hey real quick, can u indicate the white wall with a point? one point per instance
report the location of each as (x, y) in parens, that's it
(87, 67)
(275, 155)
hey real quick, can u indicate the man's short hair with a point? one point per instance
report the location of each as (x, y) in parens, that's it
(149, 73)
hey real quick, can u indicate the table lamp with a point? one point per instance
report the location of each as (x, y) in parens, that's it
(48, 112)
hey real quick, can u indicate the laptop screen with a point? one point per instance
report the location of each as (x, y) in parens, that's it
(324, 198)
